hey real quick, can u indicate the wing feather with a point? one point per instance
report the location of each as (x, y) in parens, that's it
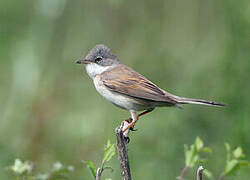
(125, 80)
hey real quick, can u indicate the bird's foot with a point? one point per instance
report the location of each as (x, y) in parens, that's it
(127, 139)
(133, 128)
(127, 126)
(129, 120)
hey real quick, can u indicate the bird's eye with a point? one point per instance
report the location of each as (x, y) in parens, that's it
(98, 59)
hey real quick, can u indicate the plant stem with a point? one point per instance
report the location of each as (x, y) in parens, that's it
(99, 173)
(183, 172)
(199, 173)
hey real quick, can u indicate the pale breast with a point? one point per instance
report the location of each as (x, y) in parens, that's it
(121, 100)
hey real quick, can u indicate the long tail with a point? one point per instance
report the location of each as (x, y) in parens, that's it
(182, 100)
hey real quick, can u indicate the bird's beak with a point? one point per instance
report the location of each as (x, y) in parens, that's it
(82, 61)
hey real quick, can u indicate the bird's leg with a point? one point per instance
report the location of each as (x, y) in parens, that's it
(145, 112)
(127, 125)
(129, 120)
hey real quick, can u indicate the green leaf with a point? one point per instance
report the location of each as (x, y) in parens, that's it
(198, 144)
(206, 149)
(192, 153)
(231, 167)
(233, 163)
(244, 163)
(208, 174)
(109, 151)
(92, 168)
(238, 153)
(202, 161)
(191, 156)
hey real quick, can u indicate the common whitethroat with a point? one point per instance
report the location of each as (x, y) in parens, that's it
(128, 89)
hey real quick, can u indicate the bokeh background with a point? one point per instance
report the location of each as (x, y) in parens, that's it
(50, 110)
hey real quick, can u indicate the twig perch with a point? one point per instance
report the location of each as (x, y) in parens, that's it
(122, 150)
(98, 174)
(199, 173)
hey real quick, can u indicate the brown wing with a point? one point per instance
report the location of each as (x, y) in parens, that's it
(125, 80)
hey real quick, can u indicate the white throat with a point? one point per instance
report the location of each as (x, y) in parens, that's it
(94, 69)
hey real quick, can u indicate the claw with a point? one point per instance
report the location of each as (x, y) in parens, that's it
(127, 139)
(132, 129)
(129, 120)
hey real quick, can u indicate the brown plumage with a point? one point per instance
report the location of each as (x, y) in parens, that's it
(127, 81)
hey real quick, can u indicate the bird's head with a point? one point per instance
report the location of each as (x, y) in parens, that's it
(98, 60)
(99, 55)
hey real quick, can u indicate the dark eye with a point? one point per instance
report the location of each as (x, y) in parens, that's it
(98, 59)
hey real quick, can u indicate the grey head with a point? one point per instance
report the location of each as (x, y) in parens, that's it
(101, 55)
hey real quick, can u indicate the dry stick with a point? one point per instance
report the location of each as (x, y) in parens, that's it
(122, 150)
(100, 171)
(98, 174)
(199, 173)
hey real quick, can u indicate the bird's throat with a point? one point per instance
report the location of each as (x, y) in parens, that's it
(94, 69)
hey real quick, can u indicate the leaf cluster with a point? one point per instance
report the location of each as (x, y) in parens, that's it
(234, 158)
(109, 152)
(192, 153)
(25, 170)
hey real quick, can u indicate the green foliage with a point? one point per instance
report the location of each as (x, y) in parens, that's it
(208, 174)
(234, 160)
(25, 170)
(109, 152)
(21, 168)
(91, 166)
(192, 154)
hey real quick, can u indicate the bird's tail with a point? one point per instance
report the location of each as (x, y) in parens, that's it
(182, 100)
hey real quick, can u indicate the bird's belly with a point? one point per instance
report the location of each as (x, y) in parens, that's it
(121, 100)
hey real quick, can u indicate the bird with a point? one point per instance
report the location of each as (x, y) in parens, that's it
(127, 89)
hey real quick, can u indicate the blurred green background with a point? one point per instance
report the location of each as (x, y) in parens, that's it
(50, 110)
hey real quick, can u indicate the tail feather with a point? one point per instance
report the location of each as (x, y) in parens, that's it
(182, 100)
